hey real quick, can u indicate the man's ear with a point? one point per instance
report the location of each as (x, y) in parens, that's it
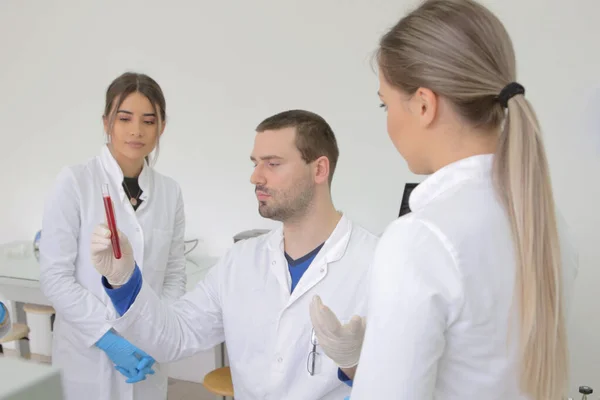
(321, 169)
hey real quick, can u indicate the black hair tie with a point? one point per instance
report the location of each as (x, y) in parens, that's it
(509, 91)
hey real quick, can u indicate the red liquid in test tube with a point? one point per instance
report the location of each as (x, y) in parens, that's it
(112, 223)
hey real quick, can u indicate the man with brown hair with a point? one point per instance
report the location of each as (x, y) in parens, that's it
(257, 297)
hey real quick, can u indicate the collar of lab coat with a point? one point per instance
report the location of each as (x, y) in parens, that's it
(333, 249)
(116, 174)
(474, 167)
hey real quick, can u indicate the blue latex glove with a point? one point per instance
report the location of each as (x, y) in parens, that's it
(129, 360)
(2, 312)
(139, 373)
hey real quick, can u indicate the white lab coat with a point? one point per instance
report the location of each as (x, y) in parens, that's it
(440, 295)
(245, 300)
(72, 284)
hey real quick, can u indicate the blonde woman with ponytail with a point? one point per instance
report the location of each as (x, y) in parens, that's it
(467, 293)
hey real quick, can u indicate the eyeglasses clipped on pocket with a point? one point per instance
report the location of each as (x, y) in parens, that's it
(314, 361)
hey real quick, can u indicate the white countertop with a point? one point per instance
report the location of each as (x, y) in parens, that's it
(21, 379)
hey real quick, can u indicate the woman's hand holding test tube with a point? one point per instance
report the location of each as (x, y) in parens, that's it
(116, 271)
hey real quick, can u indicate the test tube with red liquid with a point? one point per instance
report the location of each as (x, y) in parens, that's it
(112, 223)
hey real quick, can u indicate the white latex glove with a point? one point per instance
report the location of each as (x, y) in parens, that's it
(117, 272)
(341, 343)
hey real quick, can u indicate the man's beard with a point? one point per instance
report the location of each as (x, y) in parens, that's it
(287, 205)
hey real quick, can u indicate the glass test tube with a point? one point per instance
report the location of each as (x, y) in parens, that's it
(112, 223)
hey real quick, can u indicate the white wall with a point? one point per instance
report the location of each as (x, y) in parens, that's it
(223, 70)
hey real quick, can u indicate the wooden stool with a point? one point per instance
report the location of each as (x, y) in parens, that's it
(17, 332)
(39, 320)
(38, 309)
(219, 382)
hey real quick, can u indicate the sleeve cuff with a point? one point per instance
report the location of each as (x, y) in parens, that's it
(146, 299)
(123, 297)
(342, 377)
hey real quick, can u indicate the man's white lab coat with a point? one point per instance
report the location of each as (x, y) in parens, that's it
(245, 300)
(72, 284)
(441, 291)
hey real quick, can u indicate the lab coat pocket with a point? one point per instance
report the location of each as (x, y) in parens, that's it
(157, 258)
(319, 365)
(160, 246)
(78, 364)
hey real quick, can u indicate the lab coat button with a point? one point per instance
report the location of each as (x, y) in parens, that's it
(280, 360)
(273, 262)
(322, 270)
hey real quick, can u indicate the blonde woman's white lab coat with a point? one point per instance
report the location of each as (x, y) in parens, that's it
(245, 300)
(441, 292)
(72, 284)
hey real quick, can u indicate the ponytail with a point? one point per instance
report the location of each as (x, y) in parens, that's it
(522, 179)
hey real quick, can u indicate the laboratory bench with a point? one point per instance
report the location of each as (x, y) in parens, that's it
(20, 285)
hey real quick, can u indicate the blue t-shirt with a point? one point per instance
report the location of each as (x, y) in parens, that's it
(299, 266)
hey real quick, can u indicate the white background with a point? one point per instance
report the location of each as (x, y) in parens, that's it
(224, 66)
